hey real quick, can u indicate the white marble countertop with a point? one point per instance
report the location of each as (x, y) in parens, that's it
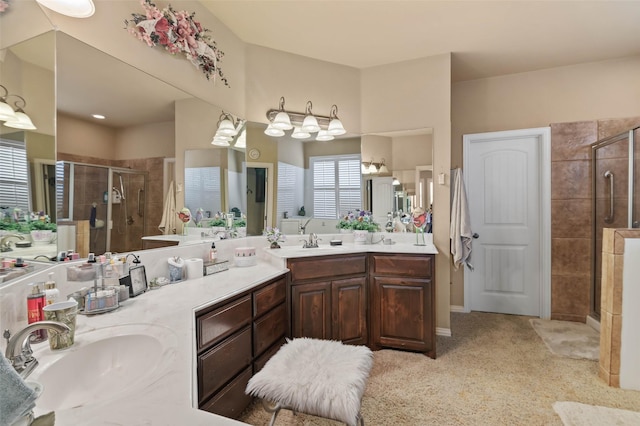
(170, 399)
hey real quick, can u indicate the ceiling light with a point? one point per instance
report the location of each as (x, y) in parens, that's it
(272, 131)
(6, 112)
(241, 142)
(282, 120)
(335, 125)
(72, 8)
(299, 134)
(382, 169)
(323, 135)
(310, 123)
(98, 116)
(22, 120)
(220, 141)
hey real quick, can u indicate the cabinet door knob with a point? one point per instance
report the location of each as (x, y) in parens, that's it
(475, 235)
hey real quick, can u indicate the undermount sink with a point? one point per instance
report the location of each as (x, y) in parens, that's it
(103, 366)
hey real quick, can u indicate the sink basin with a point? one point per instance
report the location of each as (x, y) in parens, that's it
(102, 366)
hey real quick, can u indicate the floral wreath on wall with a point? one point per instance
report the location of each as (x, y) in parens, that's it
(4, 5)
(177, 31)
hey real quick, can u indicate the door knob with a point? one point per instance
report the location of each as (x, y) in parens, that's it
(475, 235)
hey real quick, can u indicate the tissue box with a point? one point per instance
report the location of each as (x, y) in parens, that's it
(245, 256)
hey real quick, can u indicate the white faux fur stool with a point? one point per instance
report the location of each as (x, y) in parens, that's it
(319, 377)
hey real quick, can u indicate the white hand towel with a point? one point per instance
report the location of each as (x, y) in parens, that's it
(168, 222)
(460, 231)
(16, 398)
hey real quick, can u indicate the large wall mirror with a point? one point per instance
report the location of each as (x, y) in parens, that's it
(27, 156)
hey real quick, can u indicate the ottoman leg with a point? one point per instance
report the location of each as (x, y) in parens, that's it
(275, 409)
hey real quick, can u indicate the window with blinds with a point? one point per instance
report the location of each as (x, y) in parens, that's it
(286, 189)
(202, 189)
(14, 175)
(336, 185)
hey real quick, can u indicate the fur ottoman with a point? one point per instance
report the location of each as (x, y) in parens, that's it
(320, 377)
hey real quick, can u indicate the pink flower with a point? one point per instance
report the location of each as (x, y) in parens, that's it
(162, 28)
(3, 5)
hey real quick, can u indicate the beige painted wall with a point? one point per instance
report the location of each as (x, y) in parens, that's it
(81, 137)
(376, 148)
(341, 147)
(413, 95)
(291, 151)
(272, 74)
(411, 151)
(149, 140)
(608, 89)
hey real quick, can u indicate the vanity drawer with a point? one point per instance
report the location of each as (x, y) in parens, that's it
(327, 266)
(420, 266)
(269, 329)
(222, 322)
(231, 401)
(266, 356)
(269, 296)
(218, 365)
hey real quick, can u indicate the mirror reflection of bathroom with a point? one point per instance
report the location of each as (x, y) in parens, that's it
(105, 205)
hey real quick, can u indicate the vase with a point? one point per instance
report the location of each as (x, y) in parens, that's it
(346, 231)
(185, 230)
(360, 236)
(275, 245)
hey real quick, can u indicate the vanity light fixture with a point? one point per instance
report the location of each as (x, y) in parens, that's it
(395, 182)
(6, 112)
(22, 120)
(227, 130)
(304, 123)
(72, 8)
(372, 168)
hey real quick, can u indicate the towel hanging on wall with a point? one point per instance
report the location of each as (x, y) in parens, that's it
(460, 231)
(168, 222)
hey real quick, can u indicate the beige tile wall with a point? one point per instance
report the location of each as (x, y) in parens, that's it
(611, 302)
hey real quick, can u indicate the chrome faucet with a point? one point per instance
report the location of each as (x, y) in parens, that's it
(312, 242)
(23, 360)
(303, 228)
(5, 244)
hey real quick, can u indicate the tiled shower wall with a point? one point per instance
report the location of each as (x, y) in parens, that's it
(571, 191)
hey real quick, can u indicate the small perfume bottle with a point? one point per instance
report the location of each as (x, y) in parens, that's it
(35, 302)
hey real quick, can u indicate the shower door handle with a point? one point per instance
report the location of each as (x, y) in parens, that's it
(140, 209)
(609, 175)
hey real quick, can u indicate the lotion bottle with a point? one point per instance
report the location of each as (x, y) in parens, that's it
(51, 292)
(213, 253)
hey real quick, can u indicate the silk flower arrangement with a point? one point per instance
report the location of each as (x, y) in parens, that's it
(178, 31)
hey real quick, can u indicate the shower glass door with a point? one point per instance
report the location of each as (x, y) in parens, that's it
(127, 202)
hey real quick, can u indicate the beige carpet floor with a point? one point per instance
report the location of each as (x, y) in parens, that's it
(494, 370)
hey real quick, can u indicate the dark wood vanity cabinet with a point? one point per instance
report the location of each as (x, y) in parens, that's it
(234, 340)
(329, 298)
(402, 305)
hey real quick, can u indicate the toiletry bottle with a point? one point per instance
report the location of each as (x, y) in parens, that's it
(213, 253)
(50, 291)
(35, 302)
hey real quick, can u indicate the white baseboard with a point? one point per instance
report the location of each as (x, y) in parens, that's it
(456, 308)
(593, 323)
(441, 331)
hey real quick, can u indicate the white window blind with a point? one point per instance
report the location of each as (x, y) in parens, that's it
(336, 186)
(14, 175)
(286, 189)
(202, 189)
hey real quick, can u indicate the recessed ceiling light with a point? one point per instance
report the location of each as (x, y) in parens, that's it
(98, 116)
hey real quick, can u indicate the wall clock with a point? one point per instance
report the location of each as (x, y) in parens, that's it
(254, 154)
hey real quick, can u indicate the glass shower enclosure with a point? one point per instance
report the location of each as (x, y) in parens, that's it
(614, 203)
(111, 199)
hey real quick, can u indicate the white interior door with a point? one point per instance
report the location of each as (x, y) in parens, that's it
(507, 180)
(382, 198)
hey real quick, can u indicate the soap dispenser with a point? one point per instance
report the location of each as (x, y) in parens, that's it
(213, 253)
(35, 302)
